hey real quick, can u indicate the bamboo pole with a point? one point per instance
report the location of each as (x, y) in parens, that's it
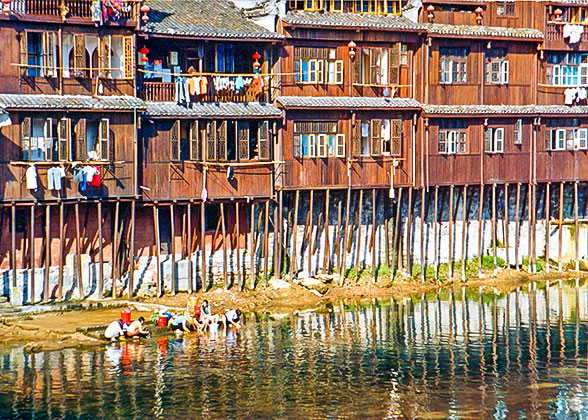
(173, 248)
(310, 221)
(464, 229)
(344, 248)
(203, 243)
(560, 223)
(374, 227)
(327, 255)
(224, 232)
(506, 222)
(494, 227)
(517, 225)
(480, 229)
(115, 248)
(131, 289)
(32, 251)
(576, 230)
(79, 250)
(547, 223)
(157, 249)
(100, 252)
(46, 293)
(451, 233)
(190, 247)
(61, 235)
(358, 234)
(409, 234)
(13, 243)
(423, 247)
(436, 232)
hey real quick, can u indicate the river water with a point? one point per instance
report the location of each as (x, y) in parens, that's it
(441, 355)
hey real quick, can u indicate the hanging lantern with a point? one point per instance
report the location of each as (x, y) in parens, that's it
(145, 18)
(557, 13)
(6, 8)
(479, 19)
(144, 51)
(430, 10)
(256, 63)
(144, 59)
(145, 9)
(351, 46)
(479, 10)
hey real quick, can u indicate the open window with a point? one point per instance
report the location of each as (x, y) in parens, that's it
(316, 139)
(37, 141)
(38, 54)
(494, 140)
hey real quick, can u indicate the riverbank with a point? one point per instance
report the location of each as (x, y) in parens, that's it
(61, 329)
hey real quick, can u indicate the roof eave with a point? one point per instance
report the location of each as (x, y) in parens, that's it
(280, 38)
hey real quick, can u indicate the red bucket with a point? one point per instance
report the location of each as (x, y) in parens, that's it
(125, 316)
(162, 321)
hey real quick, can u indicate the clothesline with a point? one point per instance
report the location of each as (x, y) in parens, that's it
(196, 74)
(72, 69)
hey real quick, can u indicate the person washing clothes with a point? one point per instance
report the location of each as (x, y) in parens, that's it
(115, 331)
(136, 328)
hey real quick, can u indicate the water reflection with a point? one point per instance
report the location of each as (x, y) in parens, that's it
(448, 355)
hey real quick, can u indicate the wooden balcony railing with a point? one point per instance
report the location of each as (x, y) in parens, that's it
(165, 92)
(65, 8)
(554, 32)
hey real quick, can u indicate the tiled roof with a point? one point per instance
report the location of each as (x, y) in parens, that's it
(483, 31)
(347, 102)
(350, 20)
(202, 19)
(213, 110)
(82, 102)
(483, 110)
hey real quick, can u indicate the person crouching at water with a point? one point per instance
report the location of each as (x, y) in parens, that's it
(233, 318)
(179, 324)
(115, 330)
(205, 313)
(136, 328)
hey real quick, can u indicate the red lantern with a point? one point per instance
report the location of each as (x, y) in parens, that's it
(144, 51)
(256, 56)
(430, 8)
(145, 9)
(479, 19)
(351, 46)
(144, 59)
(557, 13)
(479, 10)
(145, 18)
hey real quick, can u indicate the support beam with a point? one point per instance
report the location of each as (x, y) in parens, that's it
(409, 234)
(79, 251)
(266, 243)
(46, 292)
(337, 236)
(277, 236)
(327, 255)
(576, 229)
(451, 233)
(494, 236)
(61, 252)
(506, 222)
(560, 226)
(423, 244)
(252, 247)
(32, 251)
(358, 234)
(464, 229)
(397, 253)
(373, 242)
(13, 243)
(173, 248)
(436, 233)
(157, 249)
(517, 225)
(224, 232)
(100, 252)
(131, 287)
(530, 203)
(309, 228)
(344, 247)
(203, 268)
(115, 247)
(547, 223)
(240, 277)
(190, 247)
(480, 229)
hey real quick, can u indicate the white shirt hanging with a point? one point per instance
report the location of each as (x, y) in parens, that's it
(31, 176)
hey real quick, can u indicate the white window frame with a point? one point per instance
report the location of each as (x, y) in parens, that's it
(518, 132)
(498, 140)
(581, 139)
(312, 145)
(559, 141)
(451, 143)
(340, 146)
(504, 69)
(446, 76)
(322, 146)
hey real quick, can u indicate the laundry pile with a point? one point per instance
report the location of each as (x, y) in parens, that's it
(85, 175)
(573, 32)
(575, 95)
(186, 87)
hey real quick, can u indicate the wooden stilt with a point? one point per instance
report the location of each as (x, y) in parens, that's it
(506, 222)
(560, 226)
(423, 245)
(494, 227)
(240, 277)
(576, 230)
(173, 248)
(397, 254)
(224, 232)
(480, 229)
(61, 235)
(266, 243)
(115, 248)
(46, 291)
(464, 229)
(409, 234)
(337, 236)
(358, 234)
(79, 250)
(13, 243)
(344, 247)
(293, 246)
(203, 267)
(436, 233)
(157, 250)
(374, 247)
(517, 225)
(451, 233)
(534, 227)
(131, 288)
(100, 252)
(32, 251)
(309, 226)
(530, 202)
(190, 247)
(327, 248)
(277, 235)
(252, 246)
(547, 223)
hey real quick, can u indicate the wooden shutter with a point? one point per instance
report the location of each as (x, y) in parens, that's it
(104, 43)
(105, 145)
(23, 53)
(376, 132)
(320, 79)
(49, 59)
(548, 134)
(79, 55)
(374, 66)
(357, 67)
(340, 145)
(322, 146)
(25, 134)
(80, 130)
(243, 139)
(357, 139)
(221, 140)
(195, 143)
(174, 136)
(442, 142)
(339, 72)
(64, 137)
(461, 142)
(499, 140)
(396, 138)
(129, 57)
(518, 135)
(488, 140)
(211, 141)
(48, 134)
(263, 140)
(394, 65)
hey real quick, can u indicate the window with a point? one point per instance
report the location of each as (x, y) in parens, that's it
(37, 139)
(567, 69)
(38, 51)
(518, 132)
(317, 66)
(496, 66)
(565, 134)
(181, 140)
(318, 139)
(378, 66)
(452, 137)
(350, 6)
(578, 15)
(228, 140)
(453, 65)
(494, 140)
(377, 137)
(505, 8)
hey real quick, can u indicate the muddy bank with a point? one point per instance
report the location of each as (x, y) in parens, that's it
(56, 330)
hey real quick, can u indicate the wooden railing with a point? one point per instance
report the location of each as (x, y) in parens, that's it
(165, 92)
(554, 32)
(64, 8)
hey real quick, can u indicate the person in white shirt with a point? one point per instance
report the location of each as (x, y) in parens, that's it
(233, 318)
(115, 330)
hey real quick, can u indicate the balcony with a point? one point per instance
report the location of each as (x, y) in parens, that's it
(66, 9)
(554, 38)
(165, 92)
